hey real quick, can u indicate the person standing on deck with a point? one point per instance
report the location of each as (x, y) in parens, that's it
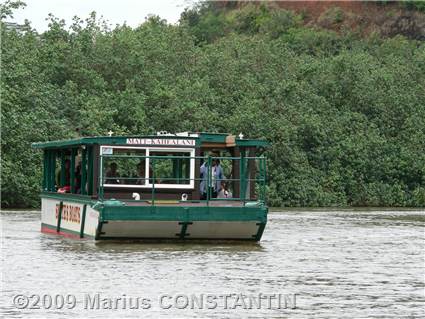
(215, 179)
(112, 175)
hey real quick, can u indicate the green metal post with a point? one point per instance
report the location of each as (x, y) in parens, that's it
(176, 169)
(83, 171)
(90, 170)
(208, 181)
(265, 179)
(58, 226)
(260, 231)
(62, 174)
(187, 170)
(45, 170)
(183, 231)
(52, 170)
(179, 170)
(83, 221)
(101, 178)
(261, 178)
(47, 154)
(72, 181)
(153, 182)
(242, 176)
(260, 181)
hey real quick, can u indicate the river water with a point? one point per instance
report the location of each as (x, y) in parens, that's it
(323, 263)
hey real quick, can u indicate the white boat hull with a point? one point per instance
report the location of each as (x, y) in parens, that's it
(80, 220)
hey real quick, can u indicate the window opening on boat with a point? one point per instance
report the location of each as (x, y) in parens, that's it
(133, 167)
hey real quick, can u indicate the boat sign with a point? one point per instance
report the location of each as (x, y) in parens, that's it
(160, 141)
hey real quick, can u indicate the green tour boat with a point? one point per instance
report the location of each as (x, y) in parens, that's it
(184, 186)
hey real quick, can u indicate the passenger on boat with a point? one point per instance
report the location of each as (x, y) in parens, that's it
(112, 175)
(65, 188)
(67, 173)
(224, 192)
(78, 179)
(140, 173)
(215, 181)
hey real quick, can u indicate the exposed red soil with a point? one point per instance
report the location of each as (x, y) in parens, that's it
(387, 19)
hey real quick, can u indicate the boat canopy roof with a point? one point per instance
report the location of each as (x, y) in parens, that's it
(188, 139)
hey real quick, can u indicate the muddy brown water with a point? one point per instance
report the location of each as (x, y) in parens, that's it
(323, 263)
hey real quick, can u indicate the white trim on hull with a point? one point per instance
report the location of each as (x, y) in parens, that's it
(72, 218)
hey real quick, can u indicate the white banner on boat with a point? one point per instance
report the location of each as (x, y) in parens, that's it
(161, 141)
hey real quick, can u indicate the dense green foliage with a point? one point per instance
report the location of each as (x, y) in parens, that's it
(415, 5)
(345, 115)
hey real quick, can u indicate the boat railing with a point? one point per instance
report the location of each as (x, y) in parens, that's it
(251, 184)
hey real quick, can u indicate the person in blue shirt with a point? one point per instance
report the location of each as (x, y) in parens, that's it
(215, 178)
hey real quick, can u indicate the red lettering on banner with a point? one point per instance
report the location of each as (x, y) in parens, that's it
(69, 213)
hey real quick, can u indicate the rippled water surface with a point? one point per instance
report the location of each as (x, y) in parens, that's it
(352, 264)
